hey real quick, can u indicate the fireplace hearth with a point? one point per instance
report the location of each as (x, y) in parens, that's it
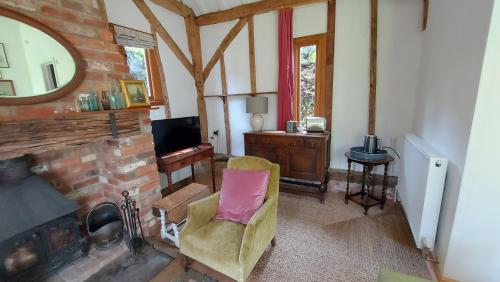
(39, 228)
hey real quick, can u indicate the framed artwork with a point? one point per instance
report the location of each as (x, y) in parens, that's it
(7, 88)
(4, 63)
(135, 93)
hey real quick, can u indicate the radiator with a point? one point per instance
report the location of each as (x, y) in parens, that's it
(420, 189)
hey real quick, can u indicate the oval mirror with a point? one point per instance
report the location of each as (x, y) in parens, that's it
(36, 63)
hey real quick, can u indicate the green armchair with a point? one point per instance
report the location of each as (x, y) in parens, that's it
(229, 247)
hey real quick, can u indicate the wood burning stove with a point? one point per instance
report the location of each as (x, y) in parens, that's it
(39, 228)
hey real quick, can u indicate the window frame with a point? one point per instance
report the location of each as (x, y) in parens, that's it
(319, 40)
(153, 67)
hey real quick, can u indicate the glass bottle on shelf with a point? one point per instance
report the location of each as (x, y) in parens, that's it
(120, 99)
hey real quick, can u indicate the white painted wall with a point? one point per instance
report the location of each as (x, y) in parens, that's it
(451, 60)
(399, 55)
(399, 42)
(180, 84)
(474, 252)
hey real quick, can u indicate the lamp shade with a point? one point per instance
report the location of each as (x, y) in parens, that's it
(257, 105)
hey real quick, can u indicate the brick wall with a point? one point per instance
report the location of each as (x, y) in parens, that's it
(97, 172)
(79, 22)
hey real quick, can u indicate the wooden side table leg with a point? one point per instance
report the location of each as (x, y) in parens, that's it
(212, 168)
(192, 174)
(169, 182)
(349, 162)
(363, 182)
(384, 186)
(370, 183)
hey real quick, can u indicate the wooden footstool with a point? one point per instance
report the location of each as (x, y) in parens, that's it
(173, 209)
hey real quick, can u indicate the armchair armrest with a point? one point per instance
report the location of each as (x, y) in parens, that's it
(260, 230)
(200, 213)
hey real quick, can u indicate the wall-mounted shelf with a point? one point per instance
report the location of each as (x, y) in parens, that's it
(131, 110)
(224, 97)
(240, 94)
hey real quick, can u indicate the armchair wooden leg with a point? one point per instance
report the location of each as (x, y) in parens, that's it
(186, 262)
(273, 242)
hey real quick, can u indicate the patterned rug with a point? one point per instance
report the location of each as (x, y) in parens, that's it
(336, 242)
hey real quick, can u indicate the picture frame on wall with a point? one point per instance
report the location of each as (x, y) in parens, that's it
(136, 95)
(4, 62)
(7, 88)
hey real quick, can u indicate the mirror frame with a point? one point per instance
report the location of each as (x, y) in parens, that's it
(75, 54)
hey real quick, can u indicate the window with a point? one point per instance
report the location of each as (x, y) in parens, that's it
(142, 59)
(309, 64)
(143, 65)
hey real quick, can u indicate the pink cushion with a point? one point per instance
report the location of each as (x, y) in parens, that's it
(242, 193)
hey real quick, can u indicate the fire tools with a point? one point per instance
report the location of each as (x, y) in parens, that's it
(136, 241)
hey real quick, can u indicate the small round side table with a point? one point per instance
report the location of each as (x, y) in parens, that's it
(367, 197)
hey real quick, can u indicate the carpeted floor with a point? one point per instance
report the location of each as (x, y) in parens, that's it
(336, 242)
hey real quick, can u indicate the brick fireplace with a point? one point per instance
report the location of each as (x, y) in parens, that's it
(97, 172)
(94, 171)
(81, 159)
(76, 153)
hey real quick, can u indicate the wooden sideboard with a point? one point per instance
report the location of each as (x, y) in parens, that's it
(303, 158)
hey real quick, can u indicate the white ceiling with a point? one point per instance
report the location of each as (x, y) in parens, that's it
(201, 7)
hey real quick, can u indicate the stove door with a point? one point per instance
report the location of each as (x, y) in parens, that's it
(21, 257)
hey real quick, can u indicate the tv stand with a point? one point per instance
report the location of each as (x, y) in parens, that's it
(171, 162)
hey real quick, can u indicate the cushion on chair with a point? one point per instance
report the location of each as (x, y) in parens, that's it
(216, 244)
(242, 194)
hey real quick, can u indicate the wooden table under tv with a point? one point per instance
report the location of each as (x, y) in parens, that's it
(171, 162)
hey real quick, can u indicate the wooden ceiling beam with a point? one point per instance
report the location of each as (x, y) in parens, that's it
(175, 6)
(251, 49)
(155, 23)
(223, 46)
(194, 42)
(250, 10)
(425, 15)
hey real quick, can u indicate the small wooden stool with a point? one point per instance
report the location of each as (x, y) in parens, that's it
(173, 209)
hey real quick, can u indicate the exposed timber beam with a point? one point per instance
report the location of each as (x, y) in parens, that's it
(425, 15)
(175, 6)
(250, 10)
(330, 51)
(251, 49)
(222, 47)
(194, 42)
(155, 23)
(163, 81)
(372, 106)
(227, 125)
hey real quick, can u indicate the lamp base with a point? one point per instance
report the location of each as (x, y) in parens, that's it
(257, 122)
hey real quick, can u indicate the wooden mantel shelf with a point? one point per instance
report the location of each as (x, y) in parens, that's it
(79, 114)
(35, 135)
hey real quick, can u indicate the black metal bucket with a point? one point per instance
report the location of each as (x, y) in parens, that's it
(105, 226)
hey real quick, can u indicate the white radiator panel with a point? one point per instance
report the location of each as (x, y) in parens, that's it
(420, 188)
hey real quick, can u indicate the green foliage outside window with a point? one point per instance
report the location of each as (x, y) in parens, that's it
(136, 61)
(307, 82)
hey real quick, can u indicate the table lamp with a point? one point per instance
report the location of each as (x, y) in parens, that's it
(257, 106)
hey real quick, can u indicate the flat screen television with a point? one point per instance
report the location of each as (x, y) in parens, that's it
(175, 134)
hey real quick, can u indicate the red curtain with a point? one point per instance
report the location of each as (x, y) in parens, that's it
(285, 74)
